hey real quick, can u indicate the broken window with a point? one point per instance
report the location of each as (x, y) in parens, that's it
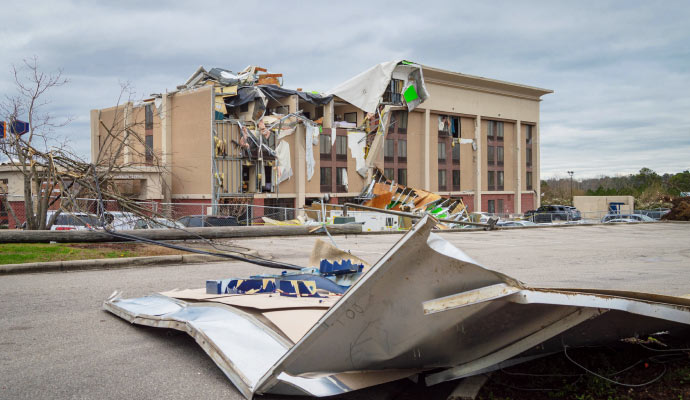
(442, 152)
(393, 93)
(492, 206)
(499, 155)
(456, 180)
(528, 178)
(389, 150)
(351, 117)
(148, 116)
(341, 147)
(402, 176)
(441, 179)
(443, 125)
(149, 148)
(402, 150)
(388, 173)
(325, 146)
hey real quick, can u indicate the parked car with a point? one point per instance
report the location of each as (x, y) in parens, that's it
(515, 223)
(156, 223)
(197, 221)
(121, 220)
(73, 221)
(626, 218)
(655, 213)
(554, 213)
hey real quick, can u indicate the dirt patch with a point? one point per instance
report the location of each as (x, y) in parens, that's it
(680, 210)
(135, 249)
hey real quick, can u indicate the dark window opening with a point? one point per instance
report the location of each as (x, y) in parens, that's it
(149, 148)
(341, 179)
(442, 152)
(401, 122)
(500, 206)
(402, 176)
(499, 184)
(456, 153)
(325, 147)
(389, 150)
(528, 157)
(492, 180)
(393, 95)
(529, 180)
(389, 173)
(528, 134)
(341, 147)
(325, 179)
(490, 152)
(492, 207)
(456, 180)
(148, 116)
(499, 155)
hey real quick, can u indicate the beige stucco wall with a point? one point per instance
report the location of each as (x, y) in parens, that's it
(597, 206)
(191, 142)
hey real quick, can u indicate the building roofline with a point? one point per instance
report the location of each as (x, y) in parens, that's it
(432, 73)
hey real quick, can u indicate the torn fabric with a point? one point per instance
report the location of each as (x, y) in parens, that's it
(311, 135)
(283, 158)
(356, 141)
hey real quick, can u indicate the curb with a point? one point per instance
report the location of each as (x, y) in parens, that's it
(107, 263)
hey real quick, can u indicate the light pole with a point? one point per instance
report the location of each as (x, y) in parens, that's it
(572, 199)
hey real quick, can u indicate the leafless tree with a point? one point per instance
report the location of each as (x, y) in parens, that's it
(51, 171)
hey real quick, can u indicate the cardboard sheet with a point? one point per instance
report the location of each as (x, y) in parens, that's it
(295, 323)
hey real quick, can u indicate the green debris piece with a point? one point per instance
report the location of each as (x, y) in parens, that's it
(320, 129)
(410, 94)
(405, 62)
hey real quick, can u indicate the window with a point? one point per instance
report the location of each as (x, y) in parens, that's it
(149, 148)
(389, 149)
(401, 120)
(148, 116)
(490, 155)
(499, 155)
(456, 180)
(402, 150)
(528, 178)
(455, 127)
(443, 125)
(499, 185)
(341, 179)
(441, 152)
(456, 153)
(528, 156)
(350, 117)
(500, 206)
(325, 177)
(492, 207)
(388, 173)
(492, 180)
(341, 147)
(528, 134)
(402, 176)
(325, 146)
(495, 130)
(441, 179)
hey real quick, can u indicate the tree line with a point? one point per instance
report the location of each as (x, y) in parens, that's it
(649, 188)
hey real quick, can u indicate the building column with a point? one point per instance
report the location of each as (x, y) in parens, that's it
(518, 168)
(95, 137)
(166, 147)
(536, 164)
(300, 165)
(426, 177)
(478, 164)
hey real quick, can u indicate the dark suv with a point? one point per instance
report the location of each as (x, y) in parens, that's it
(554, 213)
(198, 221)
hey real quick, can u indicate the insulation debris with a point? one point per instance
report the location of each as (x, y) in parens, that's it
(424, 308)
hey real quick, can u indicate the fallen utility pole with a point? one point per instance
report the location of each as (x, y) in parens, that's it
(170, 234)
(491, 225)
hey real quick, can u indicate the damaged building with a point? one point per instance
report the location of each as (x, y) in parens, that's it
(229, 137)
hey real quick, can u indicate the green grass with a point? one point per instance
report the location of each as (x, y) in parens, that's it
(42, 252)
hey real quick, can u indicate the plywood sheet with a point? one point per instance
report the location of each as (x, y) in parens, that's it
(295, 323)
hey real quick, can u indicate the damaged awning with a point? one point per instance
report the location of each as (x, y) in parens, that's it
(247, 94)
(425, 306)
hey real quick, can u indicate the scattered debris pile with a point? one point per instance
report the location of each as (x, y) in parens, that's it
(680, 210)
(424, 310)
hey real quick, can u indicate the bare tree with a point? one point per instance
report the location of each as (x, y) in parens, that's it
(51, 171)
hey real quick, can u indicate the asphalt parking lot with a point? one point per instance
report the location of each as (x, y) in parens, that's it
(56, 342)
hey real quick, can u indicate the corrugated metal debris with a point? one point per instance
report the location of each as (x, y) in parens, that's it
(424, 308)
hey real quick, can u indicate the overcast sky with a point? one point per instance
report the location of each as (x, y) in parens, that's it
(620, 70)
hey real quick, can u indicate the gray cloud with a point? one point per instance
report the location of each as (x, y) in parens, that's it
(619, 69)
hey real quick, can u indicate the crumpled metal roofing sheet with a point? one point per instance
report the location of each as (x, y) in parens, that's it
(424, 306)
